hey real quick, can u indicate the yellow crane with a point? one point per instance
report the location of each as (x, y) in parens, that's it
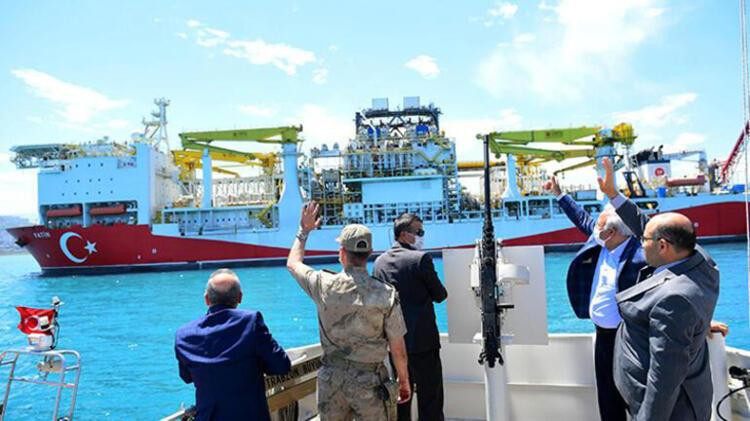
(189, 161)
(194, 143)
(594, 142)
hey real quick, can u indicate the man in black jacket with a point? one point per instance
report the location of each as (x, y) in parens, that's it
(413, 274)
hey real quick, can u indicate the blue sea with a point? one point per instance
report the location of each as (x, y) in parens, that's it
(124, 325)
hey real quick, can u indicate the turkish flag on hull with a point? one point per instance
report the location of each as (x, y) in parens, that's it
(35, 320)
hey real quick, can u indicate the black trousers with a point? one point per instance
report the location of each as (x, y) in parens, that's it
(611, 405)
(426, 376)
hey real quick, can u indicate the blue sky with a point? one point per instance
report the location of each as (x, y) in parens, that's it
(76, 71)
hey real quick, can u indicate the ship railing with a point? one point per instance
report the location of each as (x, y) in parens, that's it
(387, 212)
(290, 396)
(63, 362)
(225, 229)
(527, 208)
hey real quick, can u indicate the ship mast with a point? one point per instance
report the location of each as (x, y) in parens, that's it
(155, 131)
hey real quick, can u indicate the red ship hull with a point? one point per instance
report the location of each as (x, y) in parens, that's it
(133, 248)
(129, 248)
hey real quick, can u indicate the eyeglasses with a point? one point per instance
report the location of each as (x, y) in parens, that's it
(644, 239)
(418, 233)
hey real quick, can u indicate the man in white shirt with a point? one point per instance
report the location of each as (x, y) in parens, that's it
(609, 262)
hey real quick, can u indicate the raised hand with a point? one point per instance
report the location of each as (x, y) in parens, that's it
(310, 219)
(607, 184)
(551, 185)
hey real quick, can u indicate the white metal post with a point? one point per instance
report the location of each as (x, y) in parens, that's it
(496, 399)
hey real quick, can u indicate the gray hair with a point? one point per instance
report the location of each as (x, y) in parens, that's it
(615, 222)
(228, 295)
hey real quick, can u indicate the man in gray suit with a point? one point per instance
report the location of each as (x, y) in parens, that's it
(661, 365)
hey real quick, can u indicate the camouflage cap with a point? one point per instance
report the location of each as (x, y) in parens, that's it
(355, 237)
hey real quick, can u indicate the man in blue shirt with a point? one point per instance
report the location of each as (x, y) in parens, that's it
(609, 262)
(226, 353)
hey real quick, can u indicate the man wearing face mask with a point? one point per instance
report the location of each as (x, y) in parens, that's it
(413, 274)
(607, 263)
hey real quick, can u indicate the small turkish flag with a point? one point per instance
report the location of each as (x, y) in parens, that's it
(36, 320)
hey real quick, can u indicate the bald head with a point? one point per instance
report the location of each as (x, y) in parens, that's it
(668, 237)
(223, 288)
(676, 229)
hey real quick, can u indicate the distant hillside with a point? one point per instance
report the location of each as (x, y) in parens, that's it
(7, 244)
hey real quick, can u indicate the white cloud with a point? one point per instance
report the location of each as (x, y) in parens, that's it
(544, 6)
(320, 76)
(524, 38)
(464, 131)
(78, 103)
(117, 123)
(333, 47)
(19, 191)
(499, 12)
(686, 140)
(282, 56)
(94, 128)
(322, 126)
(181, 35)
(587, 44)
(654, 12)
(19, 188)
(658, 115)
(209, 37)
(503, 9)
(217, 33)
(424, 65)
(258, 111)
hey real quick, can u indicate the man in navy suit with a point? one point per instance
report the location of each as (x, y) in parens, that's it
(226, 353)
(609, 262)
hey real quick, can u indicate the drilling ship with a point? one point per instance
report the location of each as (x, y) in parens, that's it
(108, 206)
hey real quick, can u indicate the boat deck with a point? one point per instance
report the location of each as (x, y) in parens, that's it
(545, 382)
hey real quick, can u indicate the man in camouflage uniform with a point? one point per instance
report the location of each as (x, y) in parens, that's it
(359, 318)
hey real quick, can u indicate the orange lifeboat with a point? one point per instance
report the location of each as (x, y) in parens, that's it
(680, 182)
(107, 210)
(60, 212)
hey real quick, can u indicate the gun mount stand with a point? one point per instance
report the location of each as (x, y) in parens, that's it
(495, 378)
(507, 289)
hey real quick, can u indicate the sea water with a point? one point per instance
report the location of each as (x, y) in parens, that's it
(124, 325)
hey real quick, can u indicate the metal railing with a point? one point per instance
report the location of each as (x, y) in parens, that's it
(60, 362)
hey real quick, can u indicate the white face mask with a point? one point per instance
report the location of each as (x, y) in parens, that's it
(597, 237)
(418, 242)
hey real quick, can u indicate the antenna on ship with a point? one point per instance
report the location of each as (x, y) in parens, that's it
(155, 131)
